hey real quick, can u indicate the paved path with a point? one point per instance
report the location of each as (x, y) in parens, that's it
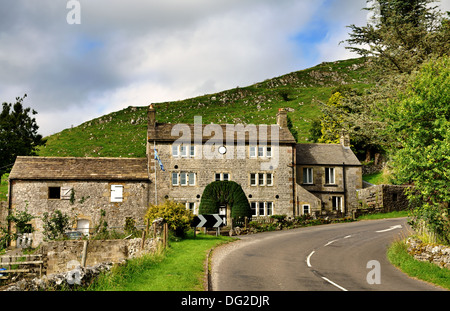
(335, 257)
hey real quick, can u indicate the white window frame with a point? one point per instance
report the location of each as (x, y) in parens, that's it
(267, 208)
(175, 150)
(330, 177)
(308, 207)
(336, 203)
(254, 208)
(261, 179)
(184, 150)
(271, 179)
(253, 151)
(261, 152)
(177, 183)
(116, 193)
(268, 152)
(192, 151)
(194, 207)
(185, 181)
(308, 176)
(255, 180)
(192, 178)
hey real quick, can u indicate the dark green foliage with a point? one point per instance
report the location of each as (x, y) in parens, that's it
(225, 192)
(18, 133)
(55, 225)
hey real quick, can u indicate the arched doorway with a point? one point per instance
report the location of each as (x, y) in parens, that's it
(221, 196)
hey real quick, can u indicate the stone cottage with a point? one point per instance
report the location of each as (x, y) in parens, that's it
(277, 175)
(82, 188)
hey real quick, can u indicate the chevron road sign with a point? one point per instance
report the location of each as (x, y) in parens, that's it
(208, 221)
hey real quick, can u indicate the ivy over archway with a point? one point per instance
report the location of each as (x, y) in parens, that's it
(225, 192)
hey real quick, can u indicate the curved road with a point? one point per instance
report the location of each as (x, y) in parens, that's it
(341, 257)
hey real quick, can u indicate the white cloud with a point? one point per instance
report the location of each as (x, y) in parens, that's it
(136, 52)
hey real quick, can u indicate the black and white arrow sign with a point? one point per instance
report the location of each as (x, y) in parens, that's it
(209, 221)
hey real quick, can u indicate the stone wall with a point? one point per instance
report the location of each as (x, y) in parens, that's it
(435, 253)
(88, 200)
(383, 198)
(3, 213)
(63, 256)
(238, 165)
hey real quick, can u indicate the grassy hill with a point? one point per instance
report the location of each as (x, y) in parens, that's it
(123, 133)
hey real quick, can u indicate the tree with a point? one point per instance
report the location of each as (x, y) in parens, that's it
(406, 34)
(419, 123)
(174, 214)
(18, 133)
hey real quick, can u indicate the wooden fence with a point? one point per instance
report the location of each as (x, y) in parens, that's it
(27, 264)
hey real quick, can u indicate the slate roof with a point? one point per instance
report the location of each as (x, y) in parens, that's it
(68, 168)
(163, 132)
(325, 154)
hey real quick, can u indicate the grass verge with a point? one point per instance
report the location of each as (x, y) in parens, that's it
(180, 267)
(394, 214)
(426, 271)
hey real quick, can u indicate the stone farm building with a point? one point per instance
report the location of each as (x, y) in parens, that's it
(277, 175)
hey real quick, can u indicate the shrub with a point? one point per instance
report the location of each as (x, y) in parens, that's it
(175, 214)
(55, 224)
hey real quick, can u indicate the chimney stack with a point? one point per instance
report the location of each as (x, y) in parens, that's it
(345, 139)
(282, 118)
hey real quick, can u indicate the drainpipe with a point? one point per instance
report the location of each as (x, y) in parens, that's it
(345, 187)
(10, 182)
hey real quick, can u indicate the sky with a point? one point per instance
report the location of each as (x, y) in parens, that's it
(80, 59)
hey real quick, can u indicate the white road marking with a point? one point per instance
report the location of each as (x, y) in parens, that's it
(331, 282)
(391, 228)
(307, 259)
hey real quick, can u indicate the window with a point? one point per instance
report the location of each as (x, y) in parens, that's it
(174, 179)
(261, 208)
(260, 151)
(54, 192)
(269, 208)
(116, 193)
(329, 175)
(66, 193)
(305, 209)
(192, 151)
(269, 179)
(191, 207)
(307, 175)
(253, 179)
(184, 150)
(175, 150)
(337, 203)
(261, 179)
(191, 179)
(183, 179)
(253, 208)
(222, 176)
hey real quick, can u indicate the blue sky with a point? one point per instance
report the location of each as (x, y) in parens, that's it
(136, 52)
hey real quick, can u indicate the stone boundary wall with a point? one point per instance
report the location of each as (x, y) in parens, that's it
(435, 253)
(64, 259)
(62, 256)
(3, 213)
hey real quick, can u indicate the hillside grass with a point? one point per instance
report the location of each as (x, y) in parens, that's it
(180, 267)
(123, 133)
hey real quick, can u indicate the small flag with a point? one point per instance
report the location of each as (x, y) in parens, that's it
(159, 160)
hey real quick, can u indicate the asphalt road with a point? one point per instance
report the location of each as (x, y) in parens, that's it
(335, 257)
